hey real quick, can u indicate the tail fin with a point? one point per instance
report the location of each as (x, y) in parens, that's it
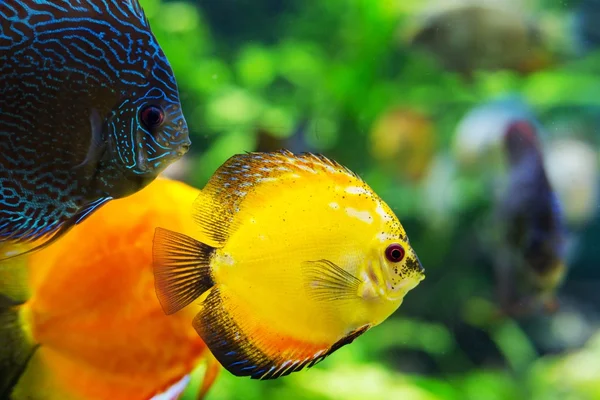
(16, 347)
(181, 269)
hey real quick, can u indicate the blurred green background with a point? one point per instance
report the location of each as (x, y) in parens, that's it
(411, 95)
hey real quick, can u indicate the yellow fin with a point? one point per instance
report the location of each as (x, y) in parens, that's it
(246, 347)
(326, 281)
(238, 178)
(16, 349)
(181, 269)
(14, 274)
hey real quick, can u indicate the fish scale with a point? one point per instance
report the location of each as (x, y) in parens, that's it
(60, 61)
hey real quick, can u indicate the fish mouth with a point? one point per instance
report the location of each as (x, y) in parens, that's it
(407, 285)
(147, 166)
(399, 291)
(184, 148)
(415, 264)
(415, 273)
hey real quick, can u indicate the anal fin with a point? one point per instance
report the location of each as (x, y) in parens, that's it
(247, 347)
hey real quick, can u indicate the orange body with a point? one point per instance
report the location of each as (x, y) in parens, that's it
(94, 311)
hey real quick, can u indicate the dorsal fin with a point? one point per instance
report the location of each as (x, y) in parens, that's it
(241, 175)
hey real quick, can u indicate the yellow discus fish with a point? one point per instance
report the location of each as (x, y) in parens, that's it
(298, 257)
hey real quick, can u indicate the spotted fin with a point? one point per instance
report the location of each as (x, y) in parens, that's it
(181, 269)
(81, 215)
(16, 349)
(245, 347)
(326, 281)
(224, 197)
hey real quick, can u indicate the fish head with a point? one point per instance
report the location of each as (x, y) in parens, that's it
(397, 268)
(392, 267)
(521, 140)
(147, 133)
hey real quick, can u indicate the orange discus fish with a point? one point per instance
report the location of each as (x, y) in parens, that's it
(297, 258)
(92, 327)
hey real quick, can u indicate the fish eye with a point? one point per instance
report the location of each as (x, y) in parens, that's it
(394, 252)
(152, 116)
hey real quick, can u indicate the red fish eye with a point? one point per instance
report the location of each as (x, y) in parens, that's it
(152, 116)
(395, 252)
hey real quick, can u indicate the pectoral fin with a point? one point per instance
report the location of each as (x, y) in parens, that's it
(246, 346)
(53, 236)
(326, 281)
(97, 145)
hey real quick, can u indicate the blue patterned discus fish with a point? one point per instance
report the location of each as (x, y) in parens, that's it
(89, 112)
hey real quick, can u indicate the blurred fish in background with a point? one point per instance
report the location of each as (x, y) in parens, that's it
(568, 145)
(88, 325)
(584, 26)
(479, 176)
(404, 142)
(467, 36)
(530, 260)
(470, 168)
(566, 161)
(89, 112)
(477, 140)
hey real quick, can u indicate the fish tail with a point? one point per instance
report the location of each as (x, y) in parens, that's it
(181, 269)
(16, 347)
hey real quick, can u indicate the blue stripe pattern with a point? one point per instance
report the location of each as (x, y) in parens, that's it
(60, 61)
